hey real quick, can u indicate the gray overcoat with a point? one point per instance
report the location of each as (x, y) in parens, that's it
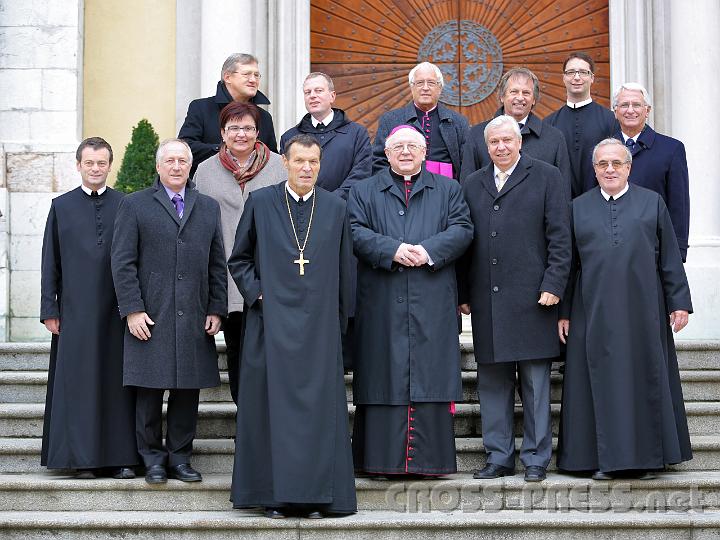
(521, 248)
(174, 270)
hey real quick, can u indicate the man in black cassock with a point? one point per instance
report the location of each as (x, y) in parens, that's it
(291, 263)
(622, 403)
(582, 121)
(89, 420)
(409, 226)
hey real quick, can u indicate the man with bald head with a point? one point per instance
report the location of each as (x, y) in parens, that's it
(442, 128)
(511, 280)
(409, 227)
(659, 161)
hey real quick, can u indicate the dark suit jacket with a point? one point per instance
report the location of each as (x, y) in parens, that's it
(659, 164)
(539, 141)
(201, 129)
(521, 248)
(453, 128)
(174, 270)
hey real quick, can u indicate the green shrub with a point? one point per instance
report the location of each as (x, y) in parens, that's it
(137, 170)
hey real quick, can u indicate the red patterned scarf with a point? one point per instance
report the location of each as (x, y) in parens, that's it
(244, 173)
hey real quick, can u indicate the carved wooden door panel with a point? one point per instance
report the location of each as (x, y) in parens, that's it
(369, 46)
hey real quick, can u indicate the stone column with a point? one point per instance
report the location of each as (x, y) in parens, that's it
(695, 60)
(40, 53)
(639, 53)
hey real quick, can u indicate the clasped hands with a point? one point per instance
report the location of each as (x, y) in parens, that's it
(139, 324)
(411, 255)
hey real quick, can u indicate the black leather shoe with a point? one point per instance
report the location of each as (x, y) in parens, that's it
(123, 473)
(155, 474)
(599, 475)
(315, 515)
(274, 513)
(492, 470)
(534, 473)
(185, 473)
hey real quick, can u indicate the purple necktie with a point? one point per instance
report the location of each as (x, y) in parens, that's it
(179, 204)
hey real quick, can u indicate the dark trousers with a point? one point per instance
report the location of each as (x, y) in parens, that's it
(234, 331)
(182, 413)
(496, 394)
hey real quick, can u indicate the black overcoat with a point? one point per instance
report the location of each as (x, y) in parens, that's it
(174, 270)
(346, 153)
(622, 403)
(293, 441)
(85, 378)
(521, 248)
(201, 128)
(406, 318)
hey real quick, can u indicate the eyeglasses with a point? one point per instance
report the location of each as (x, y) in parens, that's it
(431, 84)
(584, 73)
(412, 148)
(635, 105)
(234, 130)
(248, 74)
(616, 164)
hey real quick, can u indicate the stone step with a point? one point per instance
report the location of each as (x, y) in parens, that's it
(214, 456)
(30, 387)
(674, 491)
(456, 525)
(217, 420)
(698, 354)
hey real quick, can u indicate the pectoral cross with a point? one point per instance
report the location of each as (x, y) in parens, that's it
(301, 262)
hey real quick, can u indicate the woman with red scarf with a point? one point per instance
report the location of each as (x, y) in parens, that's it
(242, 165)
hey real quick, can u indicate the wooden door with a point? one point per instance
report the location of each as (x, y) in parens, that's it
(369, 46)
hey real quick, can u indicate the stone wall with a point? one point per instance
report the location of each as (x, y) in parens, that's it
(40, 55)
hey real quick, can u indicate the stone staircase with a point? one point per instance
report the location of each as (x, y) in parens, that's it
(682, 503)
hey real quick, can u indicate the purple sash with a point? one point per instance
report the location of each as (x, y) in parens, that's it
(439, 167)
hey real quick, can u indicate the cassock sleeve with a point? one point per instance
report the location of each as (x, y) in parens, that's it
(217, 272)
(124, 258)
(242, 259)
(562, 162)
(557, 235)
(51, 275)
(678, 198)
(346, 274)
(446, 246)
(567, 297)
(362, 162)
(672, 272)
(192, 133)
(371, 247)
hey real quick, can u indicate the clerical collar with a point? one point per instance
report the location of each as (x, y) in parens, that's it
(425, 113)
(89, 191)
(509, 171)
(579, 103)
(297, 197)
(325, 121)
(405, 177)
(607, 196)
